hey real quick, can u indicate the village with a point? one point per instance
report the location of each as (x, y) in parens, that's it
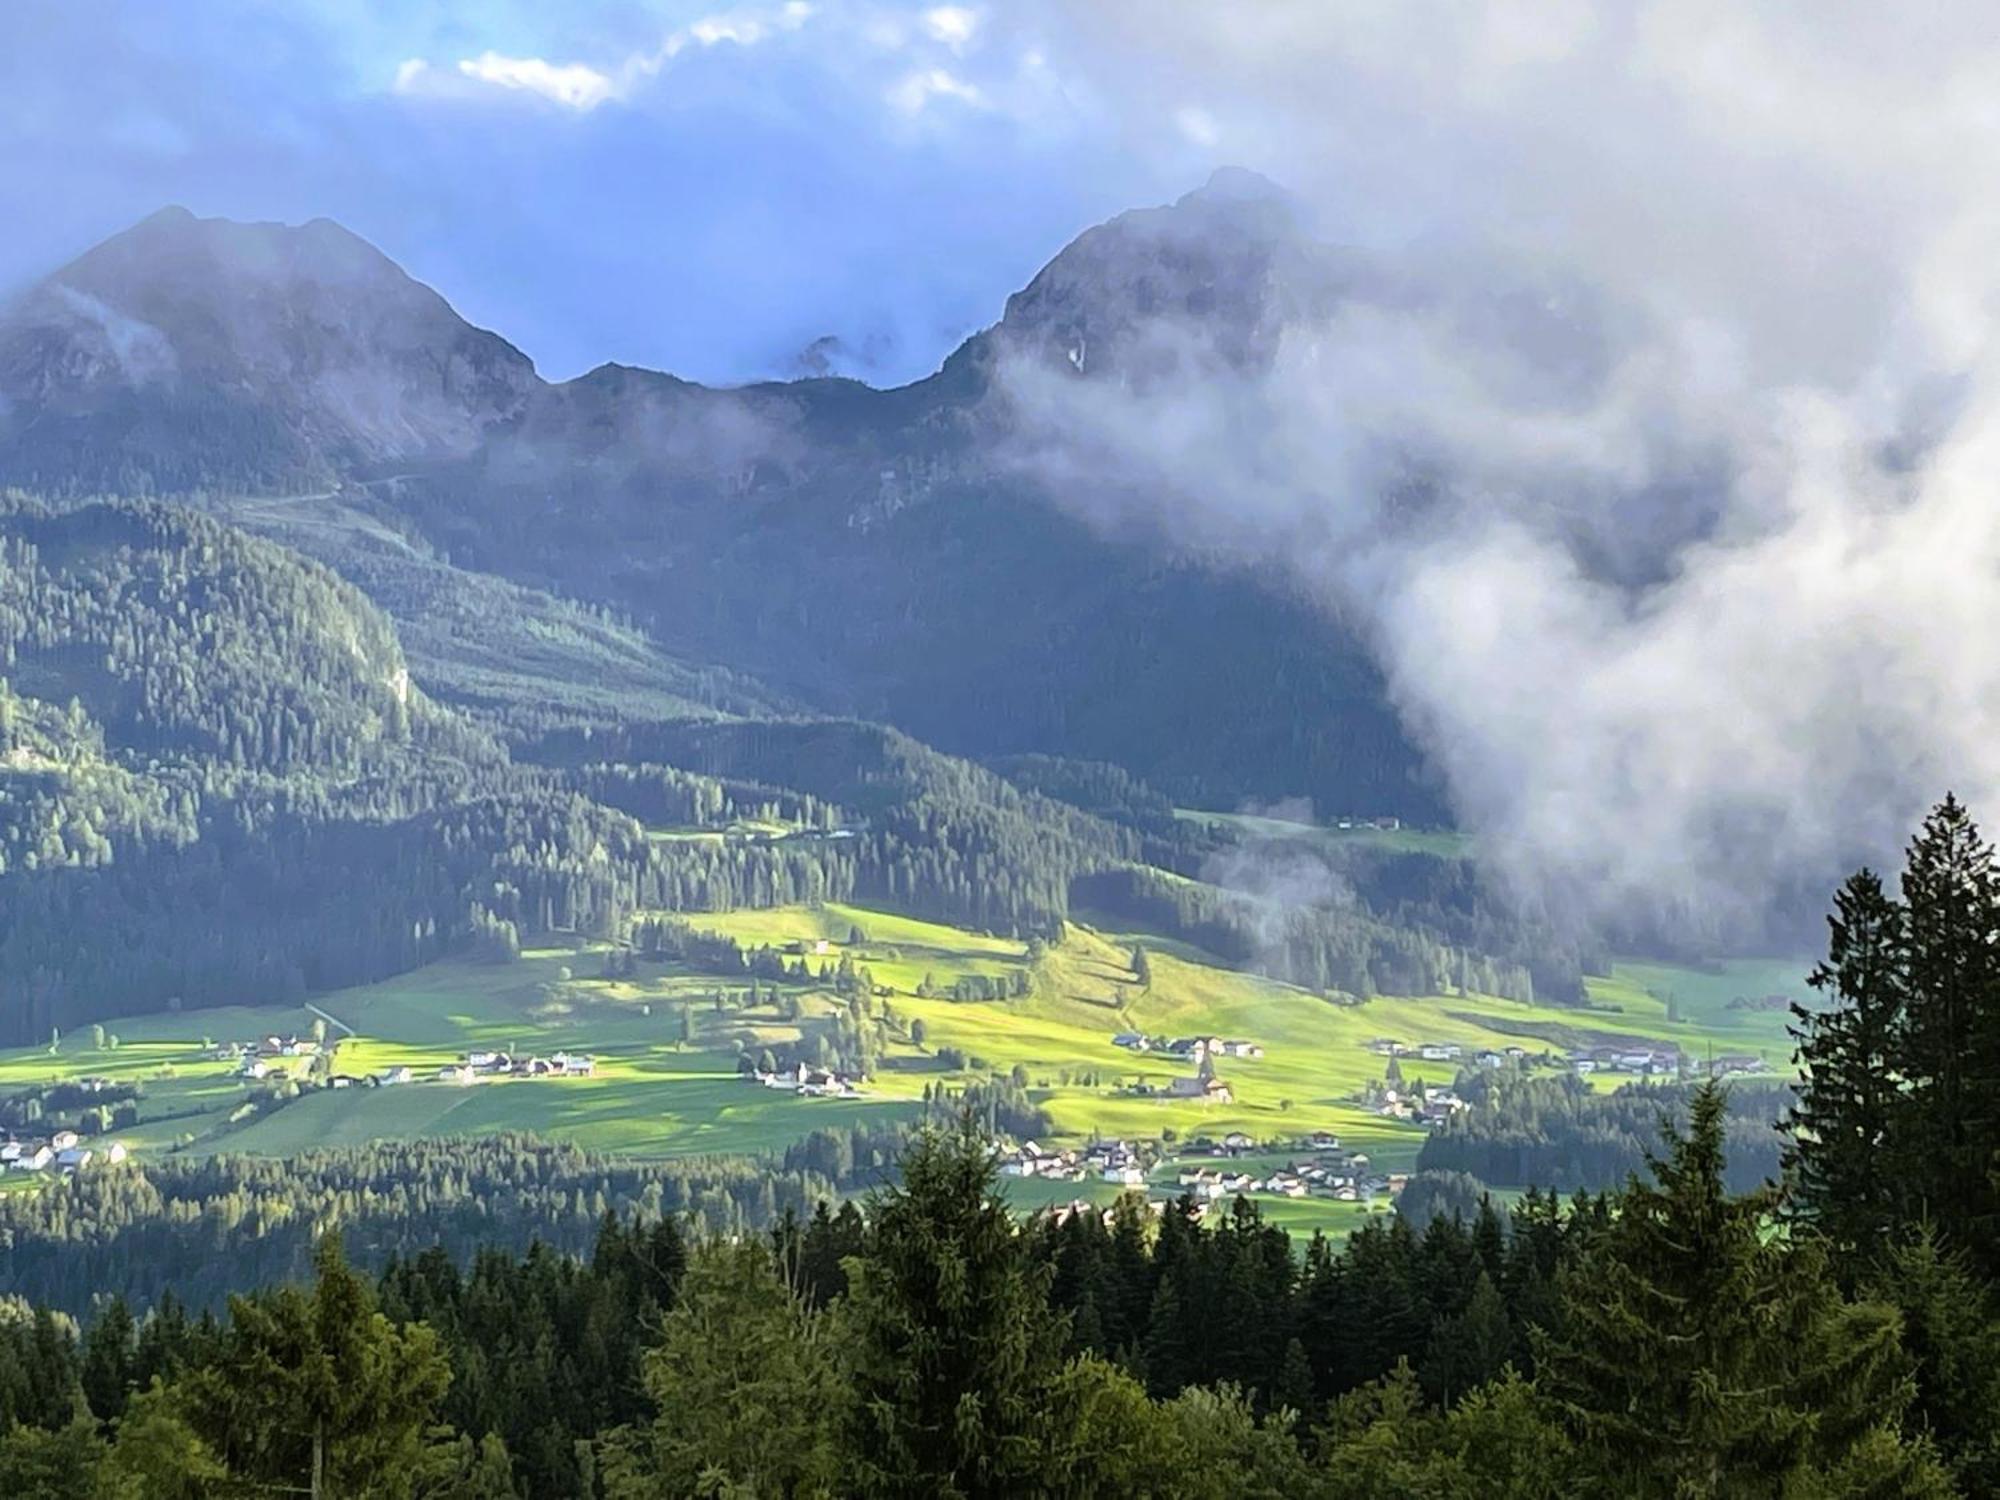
(275, 1056)
(1431, 1106)
(1206, 1171)
(1203, 1084)
(58, 1151)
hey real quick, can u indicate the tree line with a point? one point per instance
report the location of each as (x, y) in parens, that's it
(1654, 1342)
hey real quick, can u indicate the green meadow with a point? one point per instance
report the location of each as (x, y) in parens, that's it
(666, 1081)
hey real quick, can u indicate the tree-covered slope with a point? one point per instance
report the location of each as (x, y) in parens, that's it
(881, 554)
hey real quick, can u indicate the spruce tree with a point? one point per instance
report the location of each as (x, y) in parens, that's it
(954, 1348)
(1696, 1356)
(1848, 1123)
(1948, 1056)
(1951, 1331)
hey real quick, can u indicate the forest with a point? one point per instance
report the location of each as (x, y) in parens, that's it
(214, 760)
(1830, 1333)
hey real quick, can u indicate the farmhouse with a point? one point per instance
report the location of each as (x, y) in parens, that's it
(1439, 1051)
(1030, 1160)
(804, 1080)
(1737, 1062)
(27, 1156)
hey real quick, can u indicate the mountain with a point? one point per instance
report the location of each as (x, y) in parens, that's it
(1225, 270)
(872, 553)
(185, 353)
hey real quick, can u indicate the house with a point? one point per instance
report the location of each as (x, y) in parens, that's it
(1323, 1140)
(115, 1152)
(343, 1080)
(1583, 1065)
(1383, 1046)
(1236, 1140)
(397, 1074)
(1635, 1061)
(1517, 1052)
(574, 1064)
(252, 1067)
(1439, 1051)
(1132, 1041)
(65, 1140)
(1206, 1087)
(1488, 1059)
(461, 1074)
(73, 1159)
(1737, 1062)
(34, 1157)
(1129, 1175)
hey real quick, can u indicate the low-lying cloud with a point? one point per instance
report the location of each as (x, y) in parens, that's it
(1656, 450)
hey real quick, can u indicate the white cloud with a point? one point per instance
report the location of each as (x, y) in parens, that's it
(1198, 125)
(746, 28)
(952, 25)
(914, 92)
(581, 87)
(1660, 474)
(575, 86)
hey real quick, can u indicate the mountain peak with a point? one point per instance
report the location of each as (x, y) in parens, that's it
(324, 350)
(1220, 268)
(1231, 184)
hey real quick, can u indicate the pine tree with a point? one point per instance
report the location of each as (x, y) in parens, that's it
(1952, 1029)
(954, 1347)
(1951, 1331)
(1848, 1124)
(1695, 1356)
(744, 1389)
(318, 1390)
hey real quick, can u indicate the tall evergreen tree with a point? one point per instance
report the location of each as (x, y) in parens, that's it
(1694, 1356)
(954, 1349)
(744, 1386)
(318, 1391)
(1951, 1330)
(1950, 1052)
(1849, 1124)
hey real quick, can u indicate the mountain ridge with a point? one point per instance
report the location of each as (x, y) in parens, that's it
(864, 551)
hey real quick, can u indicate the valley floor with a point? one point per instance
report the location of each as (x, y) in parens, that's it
(665, 1079)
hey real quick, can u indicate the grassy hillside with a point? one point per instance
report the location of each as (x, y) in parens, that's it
(655, 1095)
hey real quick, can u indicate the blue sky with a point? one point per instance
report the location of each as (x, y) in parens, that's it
(704, 188)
